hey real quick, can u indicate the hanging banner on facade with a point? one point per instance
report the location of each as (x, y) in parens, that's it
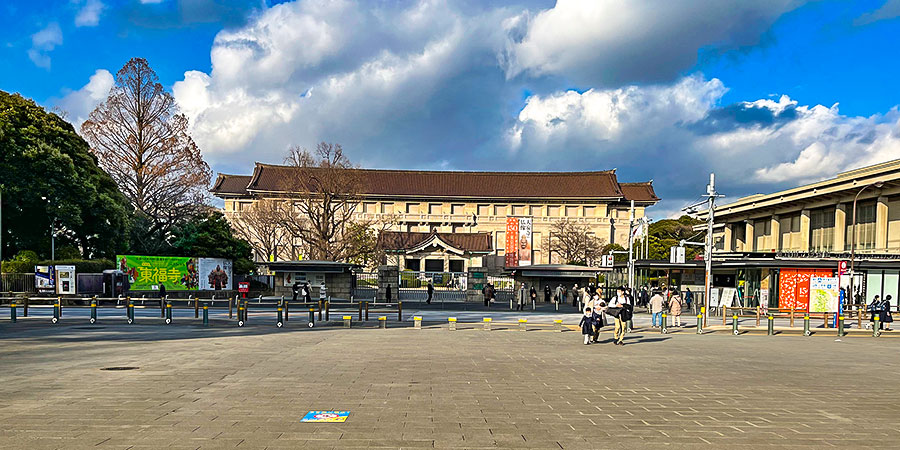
(512, 237)
(525, 247)
(824, 294)
(215, 274)
(148, 273)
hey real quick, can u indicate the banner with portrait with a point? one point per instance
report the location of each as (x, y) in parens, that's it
(215, 274)
(519, 241)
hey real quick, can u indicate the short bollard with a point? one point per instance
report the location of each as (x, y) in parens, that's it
(205, 315)
(56, 312)
(558, 322)
(840, 327)
(771, 325)
(347, 320)
(279, 322)
(12, 312)
(94, 311)
(417, 323)
(875, 325)
(806, 331)
(452, 323)
(312, 318)
(59, 300)
(734, 325)
(664, 324)
(287, 308)
(247, 311)
(168, 312)
(523, 324)
(629, 326)
(240, 315)
(700, 323)
(487, 324)
(130, 312)
(382, 322)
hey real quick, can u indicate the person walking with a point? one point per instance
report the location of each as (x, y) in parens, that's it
(675, 305)
(587, 325)
(688, 298)
(887, 318)
(575, 295)
(307, 292)
(323, 292)
(532, 294)
(643, 297)
(875, 308)
(558, 294)
(430, 290)
(598, 307)
(488, 294)
(295, 290)
(621, 306)
(656, 307)
(546, 293)
(521, 298)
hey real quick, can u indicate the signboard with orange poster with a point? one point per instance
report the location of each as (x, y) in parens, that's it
(512, 239)
(793, 287)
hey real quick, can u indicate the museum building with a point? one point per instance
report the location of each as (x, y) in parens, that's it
(451, 220)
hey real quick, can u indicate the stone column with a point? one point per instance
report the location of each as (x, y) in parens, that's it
(388, 275)
(727, 245)
(804, 230)
(881, 223)
(840, 227)
(749, 238)
(476, 278)
(775, 229)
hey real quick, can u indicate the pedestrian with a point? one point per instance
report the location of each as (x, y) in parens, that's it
(587, 325)
(558, 293)
(598, 307)
(546, 293)
(875, 308)
(621, 306)
(643, 297)
(488, 294)
(430, 289)
(675, 305)
(323, 292)
(575, 295)
(295, 290)
(162, 297)
(387, 294)
(307, 292)
(521, 298)
(688, 298)
(532, 294)
(656, 307)
(887, 318)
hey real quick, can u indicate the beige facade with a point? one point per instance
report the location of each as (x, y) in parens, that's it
(818, 218)
(471, 209)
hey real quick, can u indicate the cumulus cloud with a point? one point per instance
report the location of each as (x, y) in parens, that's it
(89, 13)
(79, 104)
(889, 10)
(43, 42)
(611, 42)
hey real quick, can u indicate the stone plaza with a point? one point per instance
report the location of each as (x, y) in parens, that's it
(226, 387)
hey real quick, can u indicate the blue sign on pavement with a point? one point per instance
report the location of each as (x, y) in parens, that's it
(326, 416)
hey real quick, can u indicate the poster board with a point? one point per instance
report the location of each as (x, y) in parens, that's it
(824, 294)
(519, 241)
(215, 274)
(65, 280)
(713, 297)
(45, 279)
(729, 295)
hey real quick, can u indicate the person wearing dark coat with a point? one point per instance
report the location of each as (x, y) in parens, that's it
(887, 318)
(532, 294)
(430, 290)
(875, 308)
(387, 293)
(547, 293)
(295, 289)
(587, 325)
(307, 295)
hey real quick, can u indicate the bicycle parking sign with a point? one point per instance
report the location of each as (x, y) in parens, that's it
(326, 416)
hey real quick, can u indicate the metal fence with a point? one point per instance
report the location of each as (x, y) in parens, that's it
(17, 282)
(365, 285)
(448, 286)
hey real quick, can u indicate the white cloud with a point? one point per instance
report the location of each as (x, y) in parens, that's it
(89, 13)
(44, 41)
(79, 104)
(602, 42)
(889, 10)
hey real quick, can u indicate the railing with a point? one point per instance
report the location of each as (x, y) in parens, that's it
(17, 282)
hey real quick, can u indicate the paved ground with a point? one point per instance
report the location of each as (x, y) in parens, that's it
(224, 387)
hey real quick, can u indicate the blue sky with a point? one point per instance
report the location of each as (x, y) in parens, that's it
(667, 91)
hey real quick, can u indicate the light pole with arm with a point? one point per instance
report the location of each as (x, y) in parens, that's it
(853, 238)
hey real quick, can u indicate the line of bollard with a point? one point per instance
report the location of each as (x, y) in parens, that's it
(57, 312)
(278, 321)
(664, 324)
(487, 323)
(700, 323)
(876, 325)
(312, 318)
(452, 323)
(734, 325)
(771, 325)
(382, 322)
(168, 311)
(12, 312)
(205, 315)
(523, 324)
(806, 331)
(840, 327)
(93, 310)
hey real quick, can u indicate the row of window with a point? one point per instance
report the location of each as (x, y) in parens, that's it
(821, 232)
(482, 210)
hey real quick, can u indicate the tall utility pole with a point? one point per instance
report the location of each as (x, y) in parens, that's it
(710, 202)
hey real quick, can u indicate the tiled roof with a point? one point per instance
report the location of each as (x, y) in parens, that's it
(639, 192)
(231, 184)
(405, 240)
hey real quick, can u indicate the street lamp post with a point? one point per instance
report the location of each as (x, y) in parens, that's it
(52, 233)
(877, 185)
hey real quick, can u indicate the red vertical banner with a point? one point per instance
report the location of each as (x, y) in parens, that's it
(512, 240)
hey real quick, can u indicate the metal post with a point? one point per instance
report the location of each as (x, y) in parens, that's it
(12, 312)
(876, 325)
(59, 300)
(700, 323)
(56, 308)
(734, 325)
(279, 323)
(312, 318)
(94, 310)
(247, 311)
(806, 331)
(240, 314)
(487, 324)
(130, 311)
(205, 315)
(840, 325)
(771, 325)
(25, 308)
(664, 326)
(452, 323)
(168, 312)
(196, 307)
(162, 307)
(231, 306)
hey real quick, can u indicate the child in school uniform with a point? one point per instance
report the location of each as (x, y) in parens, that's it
(587, 325)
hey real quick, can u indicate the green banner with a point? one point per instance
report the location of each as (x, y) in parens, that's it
(148, 273)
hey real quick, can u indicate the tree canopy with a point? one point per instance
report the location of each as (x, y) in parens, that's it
(668, 233)
(48, 174)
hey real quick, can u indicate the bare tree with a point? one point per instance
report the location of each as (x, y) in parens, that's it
(261, 226)
(142, 141)
(574, 243)
(326, 189)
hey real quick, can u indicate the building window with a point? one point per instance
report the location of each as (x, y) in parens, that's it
(790, 233)
(553, 211)
(484, 210)
(387, 208)
(412, 208)
(519, 210)
(590, 211)
(571, 211)
(456, 265)
(821, 230)
(458, 209)
(434, 265)
(738, 233)
(761, 231)
(536, 211)
(500, 243)
(413, 264)
(865, 227)
(499, 210)
(434, 208)
(370, 208)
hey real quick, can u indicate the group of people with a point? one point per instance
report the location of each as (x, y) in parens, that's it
(883, 309)
(620, 308)
(666, 299)
(303, 290)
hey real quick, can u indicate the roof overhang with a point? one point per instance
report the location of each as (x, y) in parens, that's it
(310, 266)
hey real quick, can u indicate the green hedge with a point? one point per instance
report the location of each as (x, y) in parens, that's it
(81, 265)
